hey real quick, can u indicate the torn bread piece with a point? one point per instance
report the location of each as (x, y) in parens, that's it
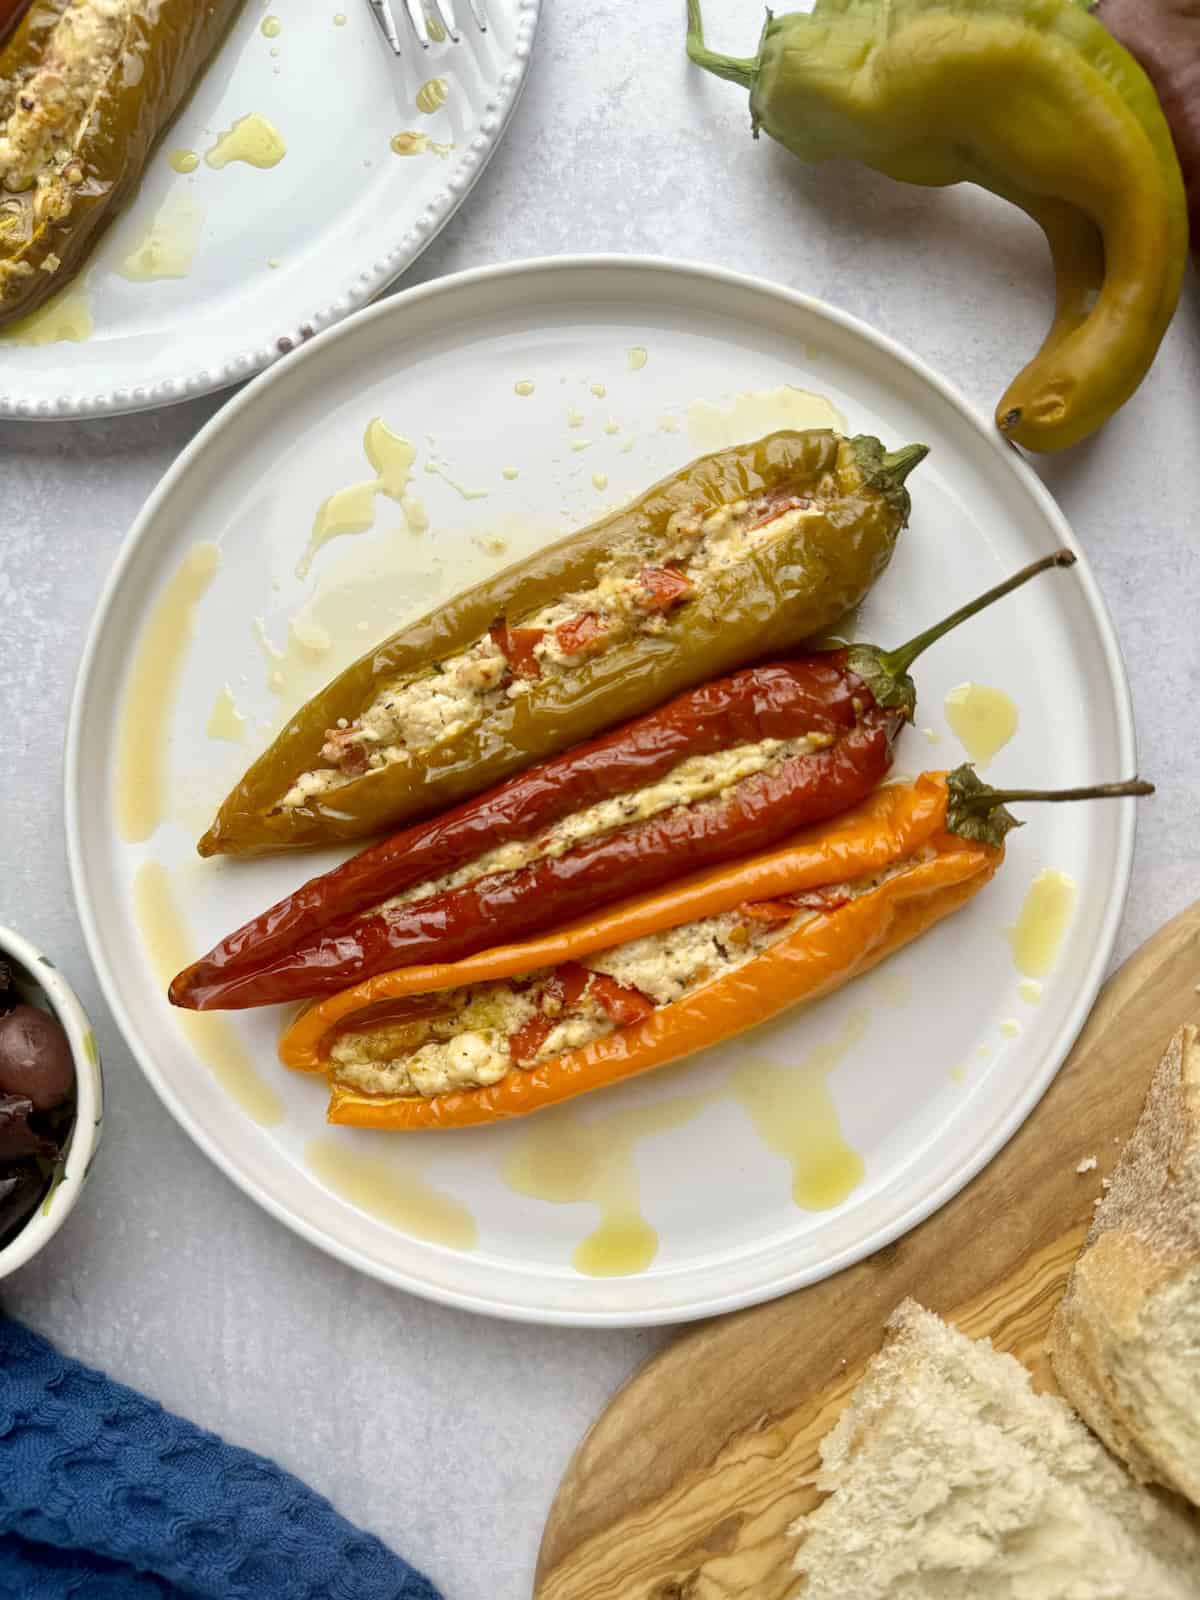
(1125, 1342)
(947, 1475)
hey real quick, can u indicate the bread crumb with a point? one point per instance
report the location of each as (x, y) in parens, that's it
(1088, 1164)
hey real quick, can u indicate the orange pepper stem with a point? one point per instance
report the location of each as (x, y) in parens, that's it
(976, 811)
(1095, 791)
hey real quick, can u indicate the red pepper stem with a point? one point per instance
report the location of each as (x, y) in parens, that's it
(898, 661)
(984, 799)
(736, 68)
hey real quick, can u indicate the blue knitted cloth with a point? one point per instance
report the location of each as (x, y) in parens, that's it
(106, 1496)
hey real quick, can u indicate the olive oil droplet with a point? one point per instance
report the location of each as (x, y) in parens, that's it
(252, 140)
(432, 95)
(225, 721)
(1044, 917)
(982, 720)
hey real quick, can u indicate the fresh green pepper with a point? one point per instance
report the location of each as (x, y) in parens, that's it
(842, 503)
(74, 142)
(1031, 99)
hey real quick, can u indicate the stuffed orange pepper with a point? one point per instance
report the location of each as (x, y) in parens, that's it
(527, 1025)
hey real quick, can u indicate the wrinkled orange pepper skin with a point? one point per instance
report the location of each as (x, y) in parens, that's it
(893, 824)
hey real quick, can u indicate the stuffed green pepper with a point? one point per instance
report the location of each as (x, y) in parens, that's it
(742, 554)
(86, 88)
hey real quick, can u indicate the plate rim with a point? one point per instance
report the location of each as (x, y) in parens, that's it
(909, 1216)
(362, 288)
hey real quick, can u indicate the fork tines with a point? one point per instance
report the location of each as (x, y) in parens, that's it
(440, 11)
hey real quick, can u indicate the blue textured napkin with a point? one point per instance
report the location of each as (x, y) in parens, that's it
(106, 1496)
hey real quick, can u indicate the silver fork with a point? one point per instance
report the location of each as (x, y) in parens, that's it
(419, 20)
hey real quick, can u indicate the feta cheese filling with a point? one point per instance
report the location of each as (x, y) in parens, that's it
(470, 1044)
(53, 106)
(696, 779)
(416, 716)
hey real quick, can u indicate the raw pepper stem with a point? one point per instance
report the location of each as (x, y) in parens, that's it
(736, 68)
(899, 660)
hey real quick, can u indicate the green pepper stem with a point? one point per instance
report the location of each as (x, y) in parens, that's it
(735, 68)
(985, 799)
(899, 660)
(899, 463)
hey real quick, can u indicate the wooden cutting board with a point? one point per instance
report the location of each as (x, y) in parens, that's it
(685, 1486)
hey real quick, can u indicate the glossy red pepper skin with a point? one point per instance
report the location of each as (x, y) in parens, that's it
(11, 12)
(318, 940)
(809, 694)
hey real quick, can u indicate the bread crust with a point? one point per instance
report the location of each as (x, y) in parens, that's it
(1144, 1244)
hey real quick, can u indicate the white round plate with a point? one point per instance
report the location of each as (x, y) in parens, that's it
(929, 1081)
(277, 254)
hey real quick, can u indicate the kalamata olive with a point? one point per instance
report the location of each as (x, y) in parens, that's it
(17, 1137)
(35, 1058)
(21, 1188)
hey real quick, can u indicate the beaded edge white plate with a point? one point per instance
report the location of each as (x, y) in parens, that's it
(449, 351)
(280, 254)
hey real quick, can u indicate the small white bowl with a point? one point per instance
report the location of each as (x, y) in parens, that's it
(40, 981)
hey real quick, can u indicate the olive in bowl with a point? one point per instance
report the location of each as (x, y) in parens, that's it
(51, 1100)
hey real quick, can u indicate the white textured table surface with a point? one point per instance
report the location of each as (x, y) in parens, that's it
(443, 1433)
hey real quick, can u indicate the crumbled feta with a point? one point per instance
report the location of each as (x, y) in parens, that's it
(54, 104)
(693, 780)
(421, 714)
(470, 1044)
(667, 966)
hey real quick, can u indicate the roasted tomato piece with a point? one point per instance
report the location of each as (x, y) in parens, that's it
(620, 1003)
(517, 646)
(582, 633)
(768, 910)
(777, 508)
(663, 588)
(819, 899)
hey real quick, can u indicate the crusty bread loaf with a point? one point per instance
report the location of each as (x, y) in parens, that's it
(950, 1477)
(1125, 1343)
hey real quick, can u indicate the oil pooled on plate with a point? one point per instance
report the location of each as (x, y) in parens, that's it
(225, 721)
(150, 695)
(168, 247)
(399, 1196)
(66, 318)
(169, 947)
(409, 143)
(565, 1159)
(758, 412)
(431, 95)
(1037, 935)
(352, 510)
(252, 140)
(793, 1113)
(983, 720)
